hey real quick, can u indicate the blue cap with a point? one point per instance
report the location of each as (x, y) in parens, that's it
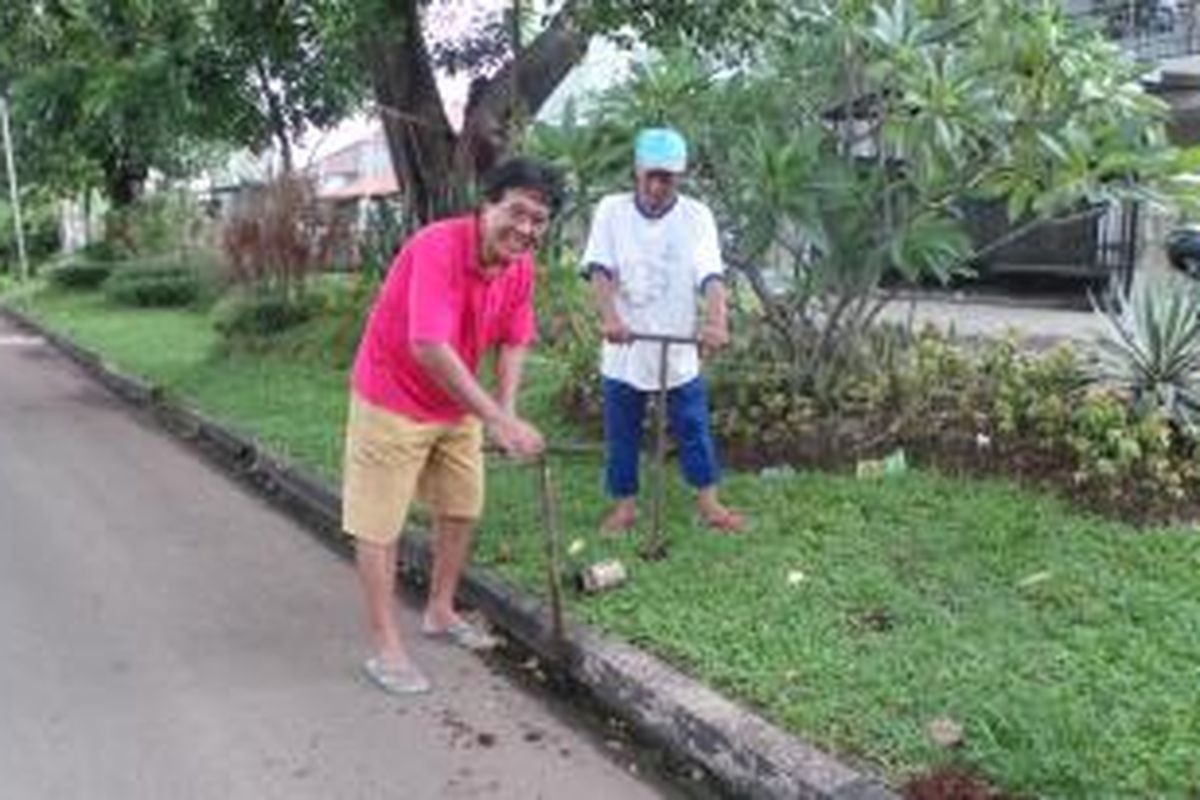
(661, 149)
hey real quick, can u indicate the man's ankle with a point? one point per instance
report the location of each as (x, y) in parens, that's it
(392, 656)
(440, 618)
(621, 515)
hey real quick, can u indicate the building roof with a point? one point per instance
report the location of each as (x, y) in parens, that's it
(379, 184)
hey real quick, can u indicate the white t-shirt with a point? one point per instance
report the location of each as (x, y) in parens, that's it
(658, 265)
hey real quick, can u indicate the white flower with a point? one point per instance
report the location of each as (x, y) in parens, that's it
(795, 577)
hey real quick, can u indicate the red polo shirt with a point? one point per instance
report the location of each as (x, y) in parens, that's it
(436, 292)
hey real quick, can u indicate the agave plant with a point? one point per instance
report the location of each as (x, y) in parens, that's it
(1151, 347)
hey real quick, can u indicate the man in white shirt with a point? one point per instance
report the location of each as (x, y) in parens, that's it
(649, 253)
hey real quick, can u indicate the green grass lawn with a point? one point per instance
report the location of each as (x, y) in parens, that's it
(294, 402)
(855, 611)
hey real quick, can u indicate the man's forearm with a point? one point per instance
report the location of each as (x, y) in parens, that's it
(716, 306)
(604, 289)
(510, 364)
(444, 365)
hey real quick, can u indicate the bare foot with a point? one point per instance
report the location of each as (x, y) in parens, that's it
(620, 520)
(393, 658)
(433, 620)
(722, 520)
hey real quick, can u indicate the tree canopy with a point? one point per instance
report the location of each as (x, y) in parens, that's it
(105, 91)
(852, 141)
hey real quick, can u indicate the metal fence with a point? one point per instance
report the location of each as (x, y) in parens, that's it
(1151, 30)
(1099, 245)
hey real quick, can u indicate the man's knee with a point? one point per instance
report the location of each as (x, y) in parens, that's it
(455, 522)
(690, 425)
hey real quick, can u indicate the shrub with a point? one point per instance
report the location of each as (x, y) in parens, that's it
(167, 221)
(40, 225)
(104, 250)
(344, 307)
(162, 222)
(387, 226)
(263, 313)
(921, 390)
(1151, 348)
(158, 283)
(80, 274)
(153, 288)
(1023, 395)
(280, 237)
(1137, 460)
(568, 328)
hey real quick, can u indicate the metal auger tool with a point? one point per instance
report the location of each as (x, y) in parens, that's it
(553, 547)
(655, 546)
(551, 527)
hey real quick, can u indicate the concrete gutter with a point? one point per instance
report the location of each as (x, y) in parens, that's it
(745, 754)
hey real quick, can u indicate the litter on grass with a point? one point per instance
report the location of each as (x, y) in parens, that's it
(894, 463)
(602, 576)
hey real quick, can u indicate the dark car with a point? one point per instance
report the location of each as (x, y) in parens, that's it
(1183, 249)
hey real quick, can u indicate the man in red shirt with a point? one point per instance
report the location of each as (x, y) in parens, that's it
(459, 288)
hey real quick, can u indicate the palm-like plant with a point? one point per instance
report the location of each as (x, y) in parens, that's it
(1151, 347)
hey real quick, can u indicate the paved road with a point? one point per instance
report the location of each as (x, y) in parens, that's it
(984, 318)
(165, 635)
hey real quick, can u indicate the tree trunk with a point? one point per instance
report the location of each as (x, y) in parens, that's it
(123, 183)
(420, 140)
(503, 105)
(275, 116)
(435, 167)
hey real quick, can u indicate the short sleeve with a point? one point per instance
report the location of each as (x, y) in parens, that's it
(521, 326)
(707, 254)
(600, 249)
(434, 298)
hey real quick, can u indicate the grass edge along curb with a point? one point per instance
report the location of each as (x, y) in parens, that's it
(746, 754)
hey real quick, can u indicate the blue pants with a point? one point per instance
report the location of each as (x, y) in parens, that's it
(687, 421)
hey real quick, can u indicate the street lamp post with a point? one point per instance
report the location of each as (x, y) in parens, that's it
(12, 187)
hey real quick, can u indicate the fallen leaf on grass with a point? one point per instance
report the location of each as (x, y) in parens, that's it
(1035, 578)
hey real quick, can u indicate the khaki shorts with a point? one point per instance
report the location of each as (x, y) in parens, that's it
(392, 460)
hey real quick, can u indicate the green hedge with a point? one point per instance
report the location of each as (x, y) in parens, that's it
(264, 313)
(153, 286)
(80, 274)
(104, 250)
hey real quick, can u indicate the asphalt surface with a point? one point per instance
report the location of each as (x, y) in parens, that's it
(992, 318)
(164, 634)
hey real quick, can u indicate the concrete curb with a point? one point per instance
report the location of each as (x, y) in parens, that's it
(747, 755)
(987, 299)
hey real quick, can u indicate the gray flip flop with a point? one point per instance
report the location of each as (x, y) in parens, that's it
(463, 634)
(406, 679)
